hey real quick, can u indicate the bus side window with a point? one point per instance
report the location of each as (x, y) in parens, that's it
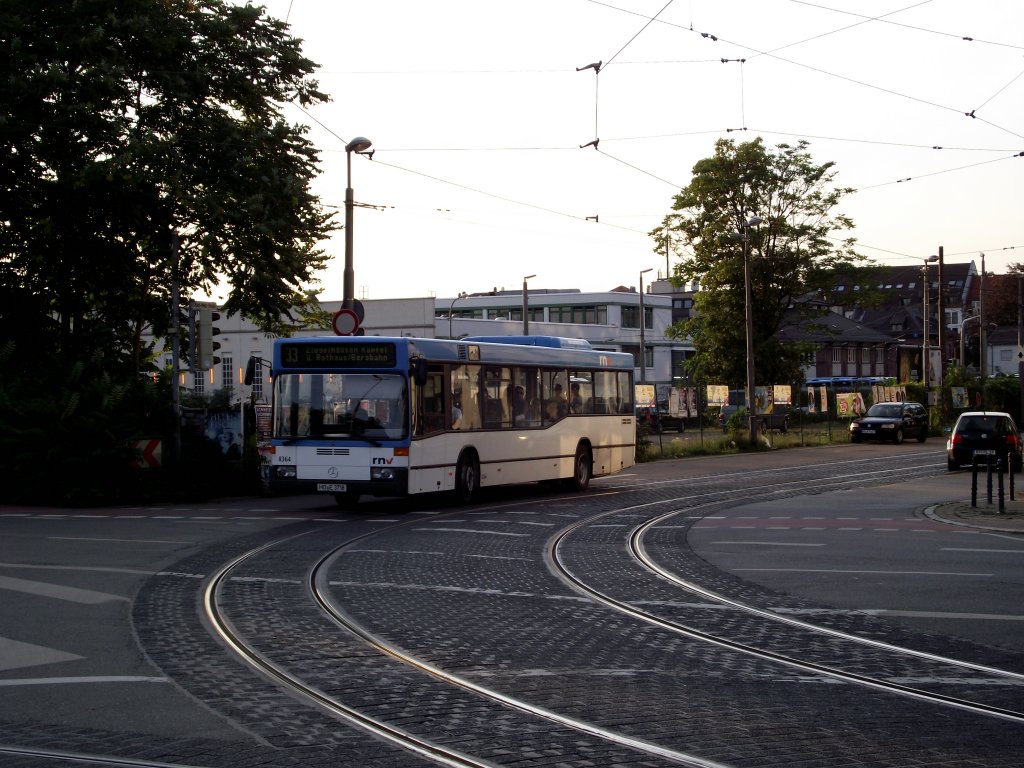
(464, 390)
(556, 403)
(429, 409)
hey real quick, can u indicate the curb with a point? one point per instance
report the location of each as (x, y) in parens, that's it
(983, 517)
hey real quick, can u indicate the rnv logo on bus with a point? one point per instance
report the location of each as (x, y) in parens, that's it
(382, 460)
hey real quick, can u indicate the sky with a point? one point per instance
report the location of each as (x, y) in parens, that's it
(482, 116)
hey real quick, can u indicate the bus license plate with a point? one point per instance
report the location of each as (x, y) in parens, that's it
(332, 487)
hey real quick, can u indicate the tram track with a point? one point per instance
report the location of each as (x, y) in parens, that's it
(703, 503)
(421, 745)
(499, 721)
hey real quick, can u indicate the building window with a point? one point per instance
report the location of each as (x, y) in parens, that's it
(227, 373)
(631, 317)
(257, 379)
(837, 355)
(851, 355)
(199, 382)
(587, 314)
(865, 355)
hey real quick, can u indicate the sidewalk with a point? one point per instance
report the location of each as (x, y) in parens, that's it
(985, 515)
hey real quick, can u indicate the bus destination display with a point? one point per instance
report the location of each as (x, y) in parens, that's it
(368, 355)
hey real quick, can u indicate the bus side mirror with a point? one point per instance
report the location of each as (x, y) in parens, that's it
(250, 371)
(419, 371)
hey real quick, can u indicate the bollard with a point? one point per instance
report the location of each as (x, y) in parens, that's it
(974, 481)
(988, 477)
(1002, 495)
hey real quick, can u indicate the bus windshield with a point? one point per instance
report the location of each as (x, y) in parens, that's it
(341, 405)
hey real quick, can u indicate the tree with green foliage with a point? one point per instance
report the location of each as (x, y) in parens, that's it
(144, 147)
(126, 126)
(792, 255)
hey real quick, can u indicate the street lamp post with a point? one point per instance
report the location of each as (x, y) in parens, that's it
(925, 322)
(451, 307)
(749, 318)
(358, 145)
(643, 345)
(526, 306)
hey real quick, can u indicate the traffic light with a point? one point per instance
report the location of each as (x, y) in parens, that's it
(204, 346)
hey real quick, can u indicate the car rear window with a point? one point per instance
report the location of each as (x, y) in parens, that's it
(994, 424)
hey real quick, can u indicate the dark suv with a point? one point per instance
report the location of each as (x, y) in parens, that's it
(983, 434)
(891, 421)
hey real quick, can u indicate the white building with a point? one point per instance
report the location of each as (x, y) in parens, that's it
(608, 320)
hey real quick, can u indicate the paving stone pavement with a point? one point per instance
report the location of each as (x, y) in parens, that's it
(983, 513)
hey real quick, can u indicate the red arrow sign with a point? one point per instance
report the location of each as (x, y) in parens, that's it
(148, 452)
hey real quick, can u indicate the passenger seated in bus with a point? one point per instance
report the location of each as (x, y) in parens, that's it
(519, 405)
(456, 415)
(561, 404)
(575, 399)
(551, 408)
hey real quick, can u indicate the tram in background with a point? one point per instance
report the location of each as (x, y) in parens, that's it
(382, 416)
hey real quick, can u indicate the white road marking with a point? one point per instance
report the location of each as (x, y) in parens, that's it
(15, 654)
(129, 541)
(829, 570)
(58, 592)
(79, 680)
(769, 543)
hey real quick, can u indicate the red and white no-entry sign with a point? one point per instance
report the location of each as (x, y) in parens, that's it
(345, 322)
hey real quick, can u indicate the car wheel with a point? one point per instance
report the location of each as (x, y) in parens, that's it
(922, 435)
(467, 477)
(951, 465)
(898, 437)
(854, 439)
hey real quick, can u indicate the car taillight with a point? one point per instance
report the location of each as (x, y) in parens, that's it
(1012, 439)
(957, 438)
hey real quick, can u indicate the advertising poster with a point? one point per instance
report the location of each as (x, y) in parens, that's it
(850, 405)
(718, 395)
(782, 394)
(645, 397)
(225, 429)
(961, 400)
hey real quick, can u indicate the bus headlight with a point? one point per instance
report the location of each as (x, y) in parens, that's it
(285, 473)
(386, 474)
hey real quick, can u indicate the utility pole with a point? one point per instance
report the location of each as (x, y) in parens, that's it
(981, 326)
(941, 330)
(175, 330)
(1020, 354)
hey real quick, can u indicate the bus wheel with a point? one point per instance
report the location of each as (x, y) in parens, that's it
(346, 500)
(581, 470)
(467, 477)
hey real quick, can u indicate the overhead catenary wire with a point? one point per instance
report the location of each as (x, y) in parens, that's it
(638, 168)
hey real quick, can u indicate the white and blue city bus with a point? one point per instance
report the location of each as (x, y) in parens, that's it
(381, 416)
